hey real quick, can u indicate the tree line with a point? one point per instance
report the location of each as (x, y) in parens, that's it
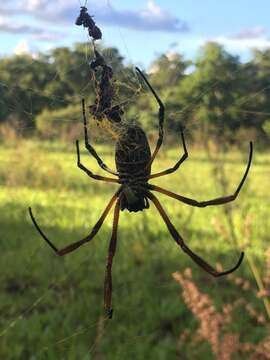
(215, 94)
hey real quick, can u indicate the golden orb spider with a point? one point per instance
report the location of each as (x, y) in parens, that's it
(133, 162)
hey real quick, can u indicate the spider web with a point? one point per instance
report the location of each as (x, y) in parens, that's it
(76, 265)
(25, 309)
(100, 325)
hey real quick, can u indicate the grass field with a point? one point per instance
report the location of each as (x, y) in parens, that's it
(51, 307)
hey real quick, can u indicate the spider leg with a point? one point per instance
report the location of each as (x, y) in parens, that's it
(177, 165)
(176, 236)
(111, 253)
(217, 201)
(75, 245)
(90, 148)
(88, 172)
(161, 115)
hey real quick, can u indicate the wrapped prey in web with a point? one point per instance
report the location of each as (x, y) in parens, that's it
(103, 107)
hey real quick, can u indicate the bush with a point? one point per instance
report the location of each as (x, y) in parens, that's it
(63, 123)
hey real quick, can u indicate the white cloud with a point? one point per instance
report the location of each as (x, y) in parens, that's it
(153, 9)
(244, 40)
(150, 18)
(16, 28)
(35, 5)
(233, 43)
(39, 33)
(238, 44)
(252, 33)
(24, 48)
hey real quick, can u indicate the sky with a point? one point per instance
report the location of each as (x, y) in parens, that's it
(141, 29)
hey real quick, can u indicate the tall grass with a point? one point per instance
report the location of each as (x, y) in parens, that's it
(51, 308)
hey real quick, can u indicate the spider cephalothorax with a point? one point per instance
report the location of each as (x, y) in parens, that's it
(133, 162)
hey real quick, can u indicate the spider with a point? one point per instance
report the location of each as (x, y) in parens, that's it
(133, 162)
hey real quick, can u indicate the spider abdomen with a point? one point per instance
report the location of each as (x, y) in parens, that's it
(132, 154)
(132, 158)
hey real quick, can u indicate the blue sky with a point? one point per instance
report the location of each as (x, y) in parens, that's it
(141, 30)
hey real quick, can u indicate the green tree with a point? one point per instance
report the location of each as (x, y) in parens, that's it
(168, 70)
(208, 95)
(22, 80)
(254, 104)
(166, 75)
